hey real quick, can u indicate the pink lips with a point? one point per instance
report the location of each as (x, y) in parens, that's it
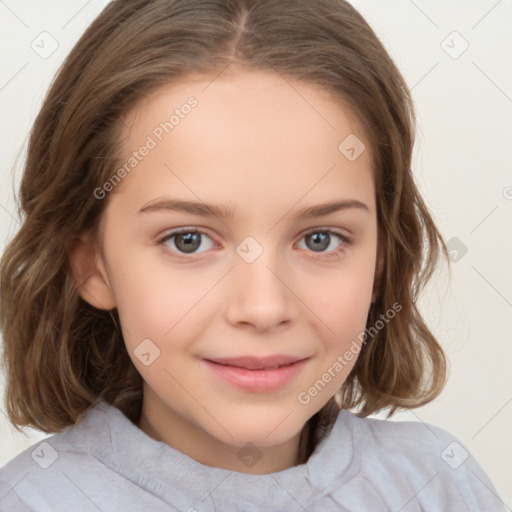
(257, 374)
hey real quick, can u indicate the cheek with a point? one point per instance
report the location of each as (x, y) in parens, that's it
(342, 303)
(342, 316)
(156, 302)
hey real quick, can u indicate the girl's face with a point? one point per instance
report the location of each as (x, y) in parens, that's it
(240, 165)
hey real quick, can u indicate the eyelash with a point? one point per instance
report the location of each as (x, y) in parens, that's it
(346, 242)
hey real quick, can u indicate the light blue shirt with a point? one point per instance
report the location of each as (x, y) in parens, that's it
(106, 463)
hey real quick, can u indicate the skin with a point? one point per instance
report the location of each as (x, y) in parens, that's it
(266, 150)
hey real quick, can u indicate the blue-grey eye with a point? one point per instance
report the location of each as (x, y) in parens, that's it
(319, 241)
(186, 241)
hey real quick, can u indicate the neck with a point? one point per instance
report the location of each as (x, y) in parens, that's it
(166, 426)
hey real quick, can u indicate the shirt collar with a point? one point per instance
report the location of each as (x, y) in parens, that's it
(107, 434)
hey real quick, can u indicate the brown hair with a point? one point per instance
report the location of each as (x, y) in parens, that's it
(62, 355)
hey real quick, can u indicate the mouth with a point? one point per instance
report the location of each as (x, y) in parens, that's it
(257, 375)
(258, 363)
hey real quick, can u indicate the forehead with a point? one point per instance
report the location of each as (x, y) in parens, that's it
(252, 132)
(246, 96)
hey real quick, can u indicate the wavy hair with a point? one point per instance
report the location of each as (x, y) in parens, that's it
(62, 355)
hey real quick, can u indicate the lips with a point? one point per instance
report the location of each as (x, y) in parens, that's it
(257, 374)
(257, 363)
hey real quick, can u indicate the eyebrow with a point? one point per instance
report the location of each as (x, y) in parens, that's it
(211, 210)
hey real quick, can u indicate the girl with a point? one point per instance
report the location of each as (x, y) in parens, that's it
(221, 252)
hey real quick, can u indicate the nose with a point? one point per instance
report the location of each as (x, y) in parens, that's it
(260, 295)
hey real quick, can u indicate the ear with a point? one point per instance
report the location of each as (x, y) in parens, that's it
(88, 270)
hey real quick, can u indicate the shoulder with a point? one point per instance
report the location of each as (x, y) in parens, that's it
(407, 444)
(410, 437)
(421, 462)
(71, 442)
(35, 472)
(39, 477)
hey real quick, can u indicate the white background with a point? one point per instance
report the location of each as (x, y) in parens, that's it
(462, 165)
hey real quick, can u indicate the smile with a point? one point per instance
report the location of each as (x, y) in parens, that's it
(261, 378)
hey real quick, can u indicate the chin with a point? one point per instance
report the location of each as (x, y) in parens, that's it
(270, 432)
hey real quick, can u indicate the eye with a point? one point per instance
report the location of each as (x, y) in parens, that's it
(319, 240)
(185, 241)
